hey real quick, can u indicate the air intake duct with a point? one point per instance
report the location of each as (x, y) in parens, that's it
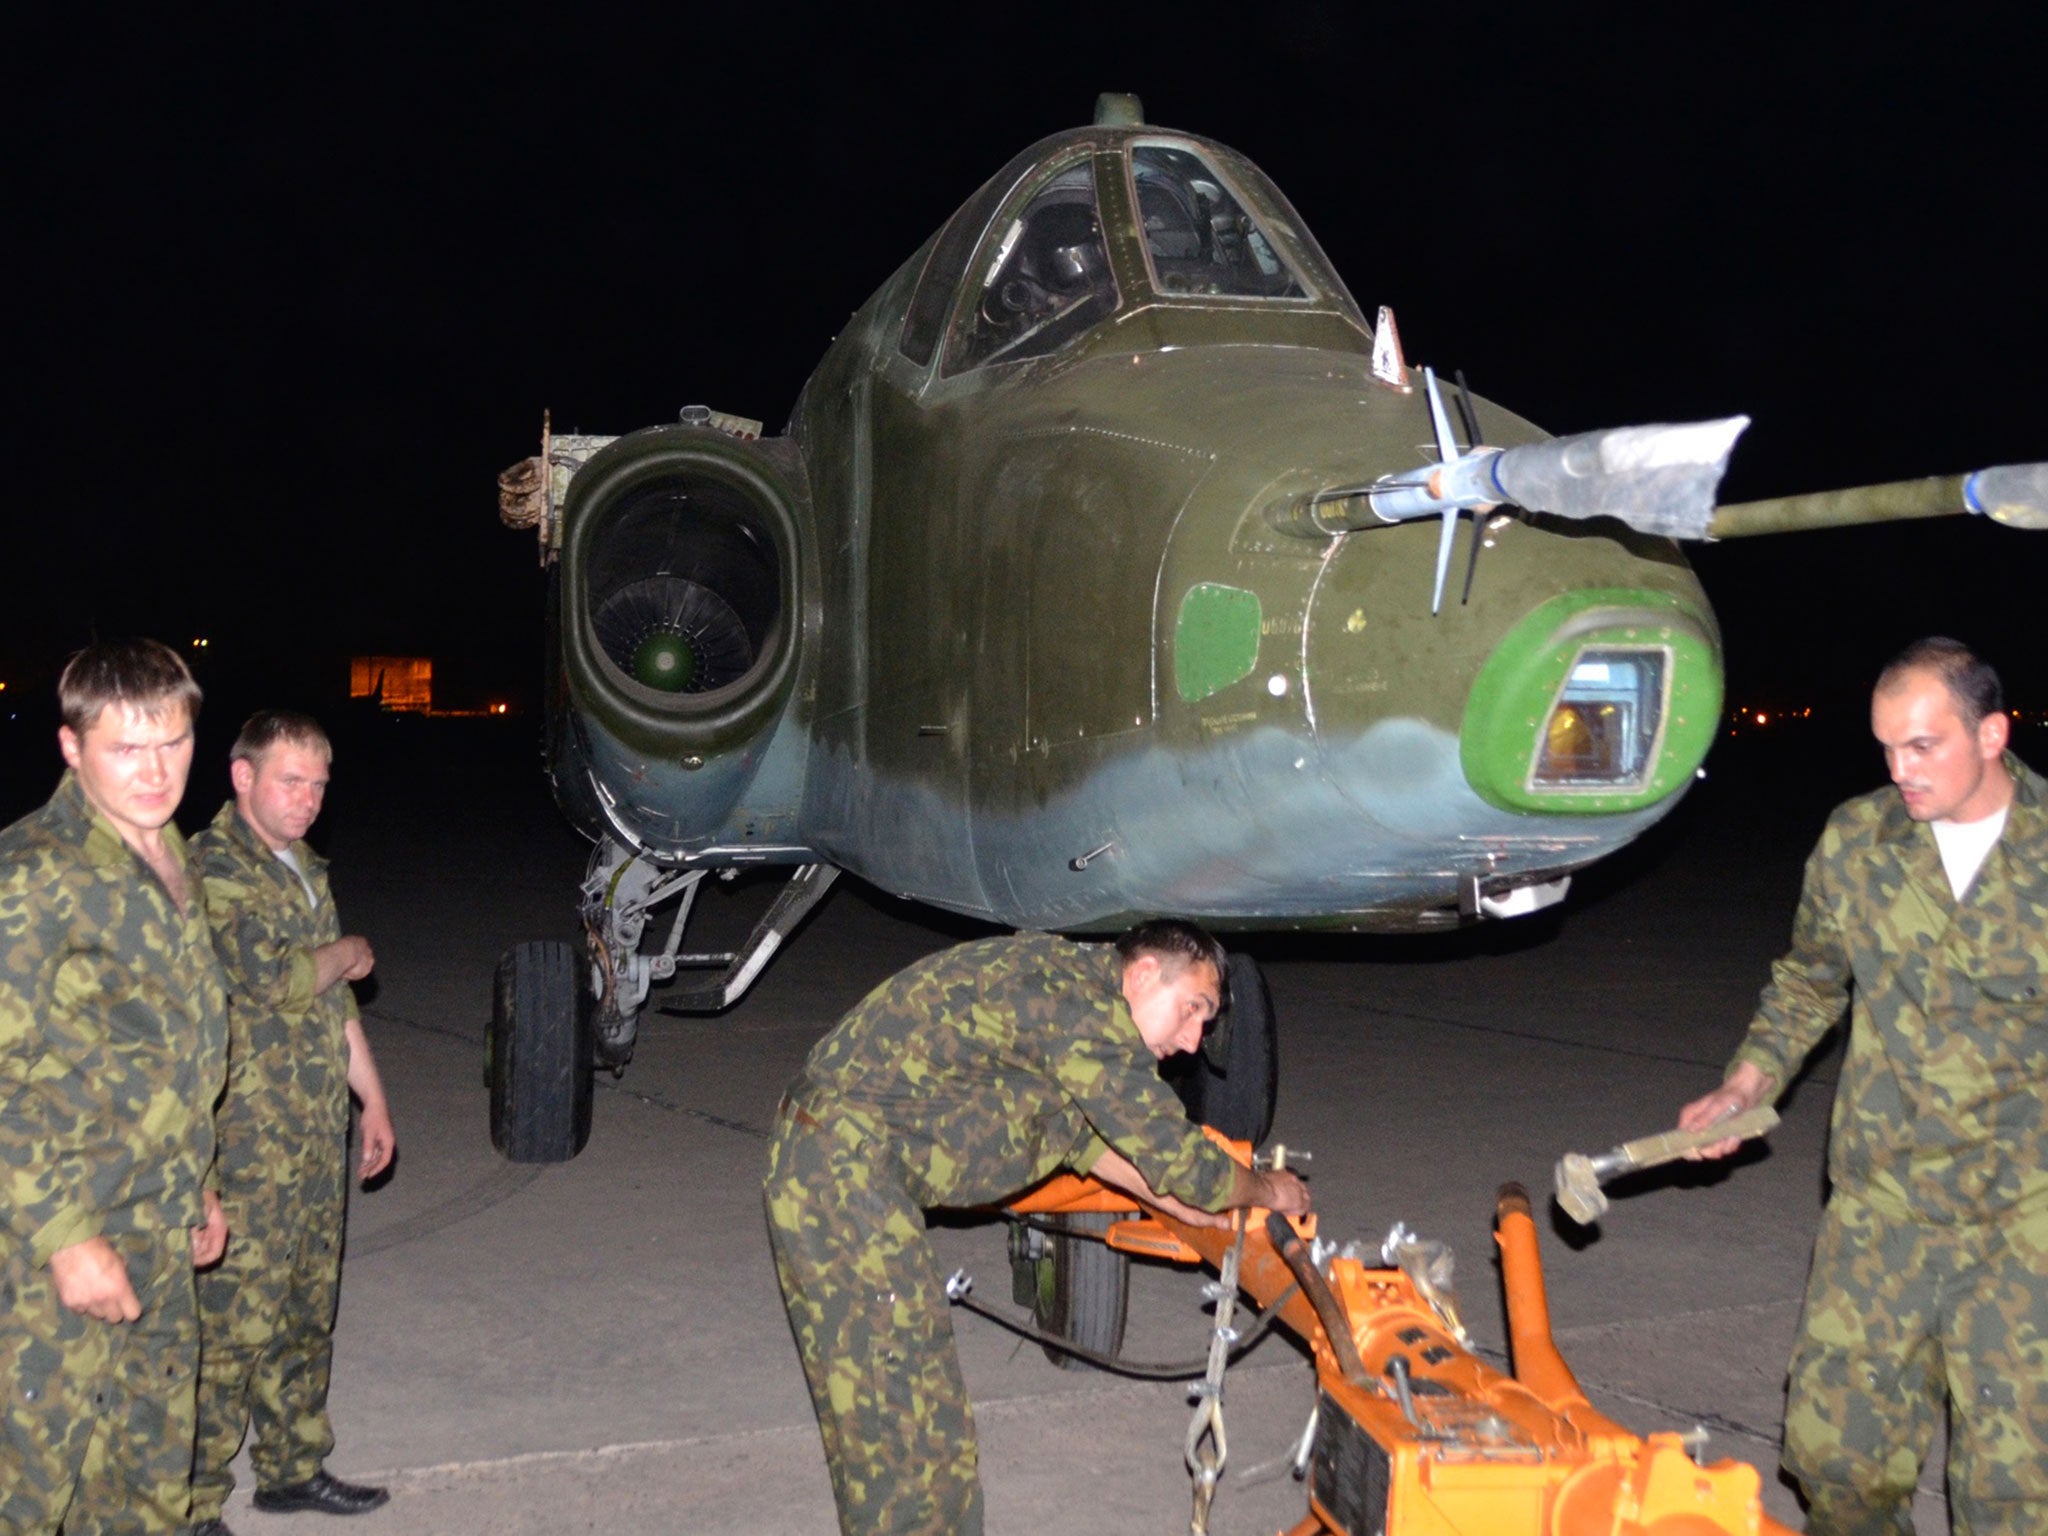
(674, 636)
(681, 556)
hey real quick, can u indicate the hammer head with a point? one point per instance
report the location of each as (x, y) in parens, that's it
(1578, 1189)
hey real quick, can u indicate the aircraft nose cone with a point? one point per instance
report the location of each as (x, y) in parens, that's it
(1545, 696)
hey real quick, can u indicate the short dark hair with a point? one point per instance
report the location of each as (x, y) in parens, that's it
(1971, 681)
(268, 727)
(1176, 939)
(146, 675)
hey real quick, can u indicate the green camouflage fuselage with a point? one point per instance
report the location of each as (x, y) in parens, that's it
(1038, 635)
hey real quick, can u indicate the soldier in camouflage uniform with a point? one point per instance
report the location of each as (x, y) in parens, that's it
(969, 1077)
(295, 1050)
(1928, 904)
(112, 1035)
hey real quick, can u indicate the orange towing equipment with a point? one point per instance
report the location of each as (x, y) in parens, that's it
(1414, 1434)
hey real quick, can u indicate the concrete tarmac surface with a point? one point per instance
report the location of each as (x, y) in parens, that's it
(600, 1346)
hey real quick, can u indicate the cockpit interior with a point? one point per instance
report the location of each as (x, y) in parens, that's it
(1049, 266)
(1199, 239)
(1044, 275)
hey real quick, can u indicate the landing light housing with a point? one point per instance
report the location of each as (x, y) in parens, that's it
(1598, 701)
(1608, 721)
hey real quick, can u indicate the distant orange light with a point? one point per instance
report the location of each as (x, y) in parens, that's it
(1762, 718)
(396, 683)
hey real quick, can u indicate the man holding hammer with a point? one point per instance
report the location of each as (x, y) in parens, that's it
(1925, 907)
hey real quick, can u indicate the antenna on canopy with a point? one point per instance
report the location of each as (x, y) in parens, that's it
(1119, 109)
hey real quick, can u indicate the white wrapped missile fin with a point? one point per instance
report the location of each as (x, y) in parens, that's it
(1657, 479)
(1660, 479)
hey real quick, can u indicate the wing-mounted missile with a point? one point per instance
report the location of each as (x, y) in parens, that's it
(1657, 479)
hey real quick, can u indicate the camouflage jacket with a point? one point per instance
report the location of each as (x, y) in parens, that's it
(986, 1067)
(1942, 1112)
(287, 1097)
(112, 1033)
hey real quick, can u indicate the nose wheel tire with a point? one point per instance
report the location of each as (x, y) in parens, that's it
(1083, 1289)
(1232, 1082)
(539, 1054)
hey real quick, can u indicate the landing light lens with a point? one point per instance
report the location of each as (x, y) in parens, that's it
(1603, 730)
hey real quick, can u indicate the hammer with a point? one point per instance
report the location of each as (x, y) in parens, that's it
(1579, 1177)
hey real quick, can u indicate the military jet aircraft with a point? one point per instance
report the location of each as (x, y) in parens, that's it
(1110, 566)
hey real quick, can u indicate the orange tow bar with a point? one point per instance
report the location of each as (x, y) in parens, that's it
(1415, 1435)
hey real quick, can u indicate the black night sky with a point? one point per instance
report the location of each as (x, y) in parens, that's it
(289, 290)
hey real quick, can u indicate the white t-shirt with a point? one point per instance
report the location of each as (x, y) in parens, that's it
(290, 861)
(1965, 845)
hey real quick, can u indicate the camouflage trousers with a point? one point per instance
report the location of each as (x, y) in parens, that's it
(868, 1308)
(97, 1435)
(1898, 1316)
(266, 1337)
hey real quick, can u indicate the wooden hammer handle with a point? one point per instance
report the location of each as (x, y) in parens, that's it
(1648, 1151)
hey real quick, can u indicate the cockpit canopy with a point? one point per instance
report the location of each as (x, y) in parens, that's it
(1071, 234)
(1047, 277)
(1198, 237)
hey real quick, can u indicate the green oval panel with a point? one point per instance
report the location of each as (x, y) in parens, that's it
(1509, 708)
(1215, 640)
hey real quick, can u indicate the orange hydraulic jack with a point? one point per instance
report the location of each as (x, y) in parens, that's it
(1416, 1436)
